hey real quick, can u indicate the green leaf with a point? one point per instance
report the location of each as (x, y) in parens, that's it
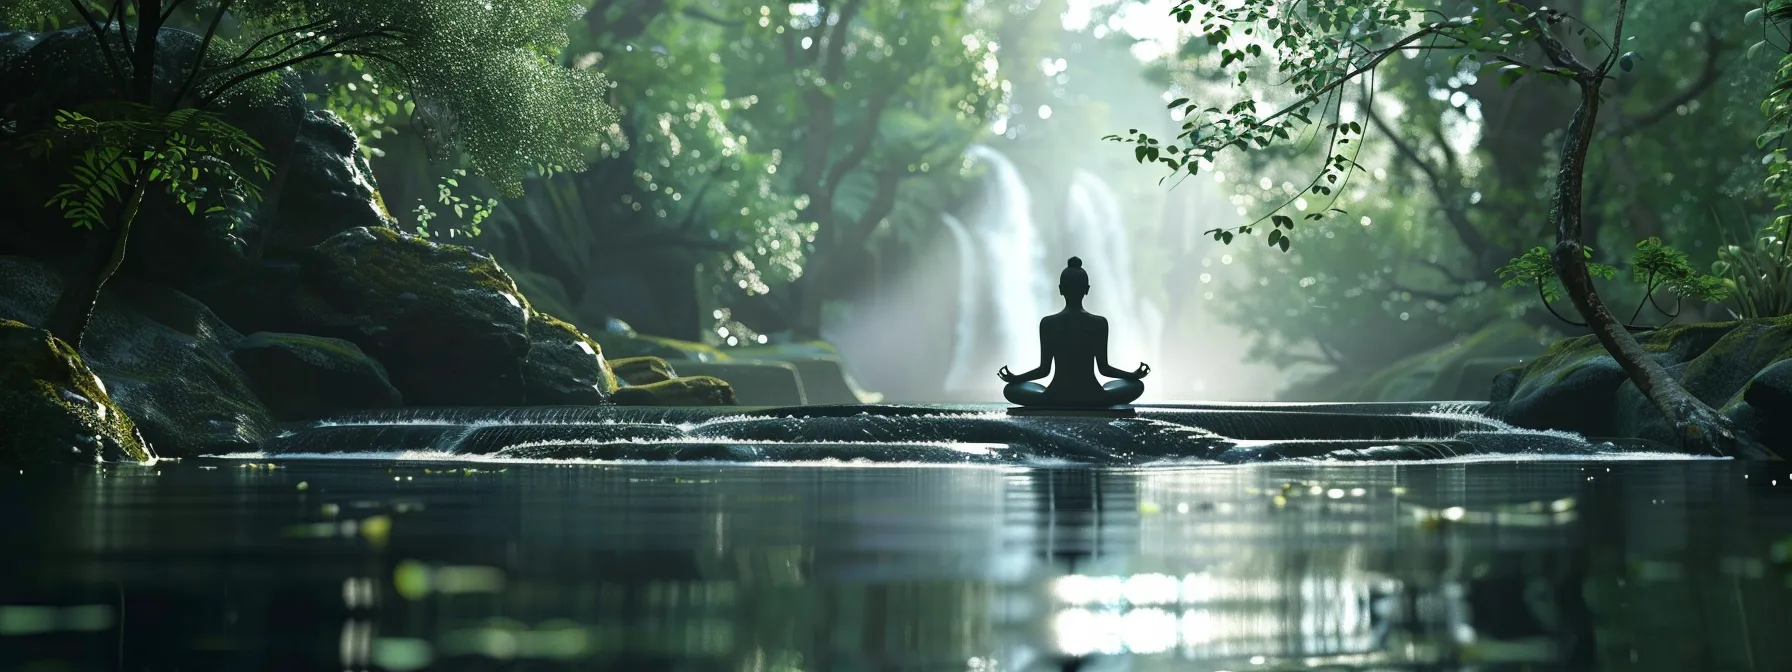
(1177, 103)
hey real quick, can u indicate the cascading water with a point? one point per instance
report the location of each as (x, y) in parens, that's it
(1006, 292)
(1094, 230)
(1007, 281)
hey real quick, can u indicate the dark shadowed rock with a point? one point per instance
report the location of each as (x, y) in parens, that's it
(301, 377)
(564, 365)
(329, 189)
(445, 321)
(55, 410)
(692, 391)
(642, 370)
(164, 357)
(760, 383)
(1735, 367)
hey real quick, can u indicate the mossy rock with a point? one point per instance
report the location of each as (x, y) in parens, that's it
(692, 391)
(758, 383)
(1460, 370)
(329, 188)
(1735, 367)
(164, 356)
(445, 321)
(564, 366)
(642, 370)
(54, 409)
(639, 345)
(302, 377)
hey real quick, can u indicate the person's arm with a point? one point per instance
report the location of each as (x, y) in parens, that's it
(1101, 360)
(1045, 361)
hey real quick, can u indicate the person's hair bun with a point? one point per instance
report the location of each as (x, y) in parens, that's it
(1076, 263)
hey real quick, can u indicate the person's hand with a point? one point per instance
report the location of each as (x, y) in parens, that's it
(1006, 375)
(1142, 371)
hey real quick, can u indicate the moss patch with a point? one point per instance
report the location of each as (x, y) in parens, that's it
(637, 345)
(642, 370)
(692, 391)
(564, 365)
(1734, 367)
(447, 323)
(54, 409)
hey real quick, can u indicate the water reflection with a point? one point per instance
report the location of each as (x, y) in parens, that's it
(227, 565)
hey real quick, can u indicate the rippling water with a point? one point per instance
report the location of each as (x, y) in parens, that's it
(401, 565)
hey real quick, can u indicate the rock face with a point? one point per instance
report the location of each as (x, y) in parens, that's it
(1738, 368)
(54, 409)
(445, 321)
(164, 357)
(329, 188)
(564, 367)
(303, 377)
(356, 315)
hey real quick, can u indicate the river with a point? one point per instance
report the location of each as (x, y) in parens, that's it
(353, 563)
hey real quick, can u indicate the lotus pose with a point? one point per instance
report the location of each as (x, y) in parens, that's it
(1078, 341)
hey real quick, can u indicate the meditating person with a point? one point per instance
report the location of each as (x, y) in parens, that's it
(1077, 341)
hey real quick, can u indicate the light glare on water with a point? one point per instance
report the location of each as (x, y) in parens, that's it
(407, 564)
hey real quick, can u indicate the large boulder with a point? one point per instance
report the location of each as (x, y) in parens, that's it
(564, 366)
(1735, 367)
(164, 357)
(302, 377)
(446, 322)
(54, 409)
(329, 188)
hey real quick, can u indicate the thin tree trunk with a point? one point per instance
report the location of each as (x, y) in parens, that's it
(1700, 427)
(81, 288)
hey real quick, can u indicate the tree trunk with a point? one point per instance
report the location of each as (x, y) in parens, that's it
(68, 319)
(1701, 428)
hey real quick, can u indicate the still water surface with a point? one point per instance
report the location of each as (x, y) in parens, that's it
(398, 565)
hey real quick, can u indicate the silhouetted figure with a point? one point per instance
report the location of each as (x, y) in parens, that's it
(1078, 341)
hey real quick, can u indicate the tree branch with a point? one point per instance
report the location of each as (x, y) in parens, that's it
(244, 57)
(327, 50)
(861, 147)
(99, 35)
(1472, 239)
(204, 46)
(1707, 77)
(172, 5)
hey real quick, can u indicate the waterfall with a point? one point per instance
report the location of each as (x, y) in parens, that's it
(1008, 281)
(1095, 230)
(1003, 293)
(969, 303)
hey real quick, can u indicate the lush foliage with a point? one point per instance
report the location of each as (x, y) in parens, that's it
(1445, 186)
(475, 77)
(1654, 266)
(194, 156)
